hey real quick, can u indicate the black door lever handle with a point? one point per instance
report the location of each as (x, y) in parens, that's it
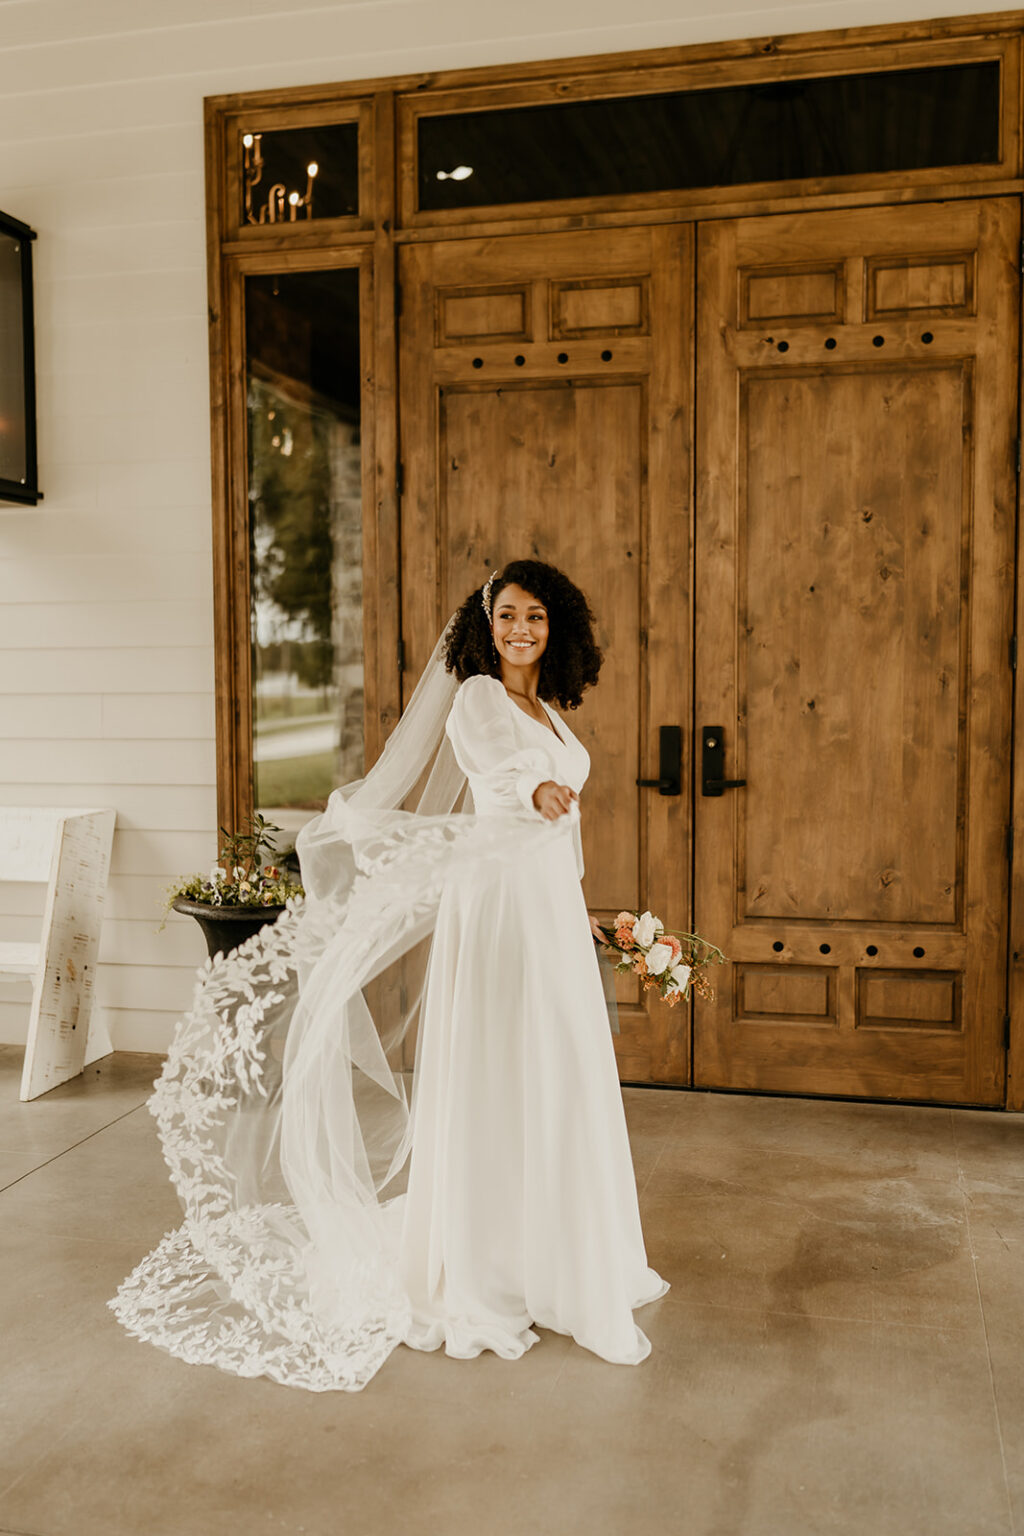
(670, 762)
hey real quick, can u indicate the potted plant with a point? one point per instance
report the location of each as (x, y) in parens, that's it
(242, 892)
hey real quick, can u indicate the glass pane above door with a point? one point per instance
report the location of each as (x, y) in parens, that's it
(785, 130)
(291, 175)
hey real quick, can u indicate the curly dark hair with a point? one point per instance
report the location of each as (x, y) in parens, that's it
(572, 658)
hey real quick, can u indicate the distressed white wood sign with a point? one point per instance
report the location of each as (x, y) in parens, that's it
(69, 850)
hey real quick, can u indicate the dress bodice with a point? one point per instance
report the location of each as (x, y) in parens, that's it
(505, 753)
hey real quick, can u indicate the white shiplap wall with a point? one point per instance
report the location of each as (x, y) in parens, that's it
(106, 604)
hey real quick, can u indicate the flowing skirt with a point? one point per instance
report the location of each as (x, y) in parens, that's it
(287, 1128)
(522, 1202)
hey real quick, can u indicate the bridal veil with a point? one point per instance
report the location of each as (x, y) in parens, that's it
(285, 1104)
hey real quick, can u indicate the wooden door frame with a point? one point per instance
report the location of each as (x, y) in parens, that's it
(387, 109)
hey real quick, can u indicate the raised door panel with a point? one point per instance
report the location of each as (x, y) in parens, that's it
(855, 552)
(542, 380)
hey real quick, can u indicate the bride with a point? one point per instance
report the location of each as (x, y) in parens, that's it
(332, 1213)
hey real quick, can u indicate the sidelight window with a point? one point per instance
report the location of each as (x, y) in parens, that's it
(305, 538)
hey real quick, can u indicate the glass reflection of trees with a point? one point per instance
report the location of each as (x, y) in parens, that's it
(305, 539)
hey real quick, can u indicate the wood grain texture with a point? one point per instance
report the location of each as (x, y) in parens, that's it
(68, 947)
(755, 61)
(895, 287)
(856, 540)
(582, 462)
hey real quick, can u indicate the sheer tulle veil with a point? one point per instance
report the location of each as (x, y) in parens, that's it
(287, 1104)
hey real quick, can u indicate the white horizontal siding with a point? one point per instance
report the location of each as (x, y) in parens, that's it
(106, 594)
(105, 574)
(138, 669)
(103, 762)
(182, 624)
(163, 531)
(158, 852)
(130, 898)
(140, 807)
(145, 1029)
(298, 42)
(133, 942)
(132, 1029)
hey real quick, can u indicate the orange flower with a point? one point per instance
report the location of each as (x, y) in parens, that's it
(624, 938)
(625, 920)
(674, 944)
(640, 965)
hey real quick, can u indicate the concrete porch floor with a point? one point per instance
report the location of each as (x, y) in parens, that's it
(842, 1349)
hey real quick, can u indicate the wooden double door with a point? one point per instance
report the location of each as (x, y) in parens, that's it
(778, 455)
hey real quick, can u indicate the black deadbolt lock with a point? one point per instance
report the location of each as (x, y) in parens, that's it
(712, 762)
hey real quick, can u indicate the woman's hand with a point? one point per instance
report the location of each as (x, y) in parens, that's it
(596, 930)
(553, 800)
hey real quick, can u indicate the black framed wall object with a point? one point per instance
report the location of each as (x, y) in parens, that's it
(19, 474)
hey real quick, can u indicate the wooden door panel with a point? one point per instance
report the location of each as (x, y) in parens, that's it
(854, 644)
(543, 417)
(856, 402)
(549, 464)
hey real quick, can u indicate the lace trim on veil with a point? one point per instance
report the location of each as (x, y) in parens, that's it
(285, 1263)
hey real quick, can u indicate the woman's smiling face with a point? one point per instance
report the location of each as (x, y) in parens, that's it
(520, 626)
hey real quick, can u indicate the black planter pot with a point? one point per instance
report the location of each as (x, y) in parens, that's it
(224, 928)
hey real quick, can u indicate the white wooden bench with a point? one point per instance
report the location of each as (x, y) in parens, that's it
(69, 852)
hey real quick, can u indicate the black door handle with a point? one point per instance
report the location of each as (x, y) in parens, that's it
(670, 762)
(712, 762)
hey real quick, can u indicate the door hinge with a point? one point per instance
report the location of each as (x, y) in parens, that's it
(1006, 1031)
(1013, 653)
(399, 478)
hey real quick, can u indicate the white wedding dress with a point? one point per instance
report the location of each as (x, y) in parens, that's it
(328, 1216)
(522, 1201)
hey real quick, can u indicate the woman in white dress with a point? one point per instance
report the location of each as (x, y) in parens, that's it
(305, 1255)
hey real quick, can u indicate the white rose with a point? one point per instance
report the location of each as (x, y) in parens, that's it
(646, 929)
(680, 975)
(658, 958)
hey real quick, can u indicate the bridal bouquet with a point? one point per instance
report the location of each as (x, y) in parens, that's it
(672, 962)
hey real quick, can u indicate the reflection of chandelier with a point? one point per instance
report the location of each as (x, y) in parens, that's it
(280, 203)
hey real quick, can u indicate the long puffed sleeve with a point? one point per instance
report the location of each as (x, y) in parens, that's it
(483, 736)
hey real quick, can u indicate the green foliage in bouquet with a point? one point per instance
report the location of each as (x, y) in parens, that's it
(672, 963)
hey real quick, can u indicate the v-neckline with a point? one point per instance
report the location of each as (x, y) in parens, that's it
(551, 728)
